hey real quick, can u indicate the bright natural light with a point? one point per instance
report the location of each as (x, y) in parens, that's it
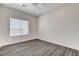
(19, 27)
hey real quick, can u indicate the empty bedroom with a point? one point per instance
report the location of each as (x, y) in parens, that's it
(39, 29)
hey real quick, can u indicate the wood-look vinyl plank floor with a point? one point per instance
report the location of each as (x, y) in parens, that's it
(37, 48)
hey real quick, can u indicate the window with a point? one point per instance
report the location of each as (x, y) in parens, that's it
(19, 27)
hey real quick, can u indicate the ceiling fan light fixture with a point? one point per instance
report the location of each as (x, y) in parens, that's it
(33, 6)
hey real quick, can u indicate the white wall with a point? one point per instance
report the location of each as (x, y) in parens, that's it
(5, 14)
(61, 26)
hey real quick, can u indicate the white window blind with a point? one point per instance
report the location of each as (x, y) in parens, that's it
(19, 27)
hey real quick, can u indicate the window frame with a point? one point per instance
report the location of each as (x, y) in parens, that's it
(20, 34)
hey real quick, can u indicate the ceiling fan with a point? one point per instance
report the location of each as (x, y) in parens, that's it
(34, 6)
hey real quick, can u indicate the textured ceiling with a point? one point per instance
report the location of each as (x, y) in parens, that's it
(36, 9)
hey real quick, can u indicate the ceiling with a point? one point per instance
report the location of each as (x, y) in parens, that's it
(36, 9)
